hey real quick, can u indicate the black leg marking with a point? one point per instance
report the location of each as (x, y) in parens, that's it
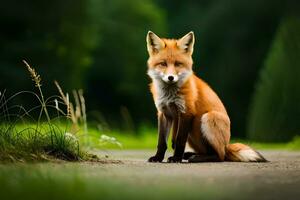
(185, 125)
(203, 158)
(164, 125)
(187, 155)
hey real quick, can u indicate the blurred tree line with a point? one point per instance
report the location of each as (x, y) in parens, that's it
(275, 110)
(100, 46)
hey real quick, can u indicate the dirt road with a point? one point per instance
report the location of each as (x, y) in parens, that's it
(135, 178)
(277, 179)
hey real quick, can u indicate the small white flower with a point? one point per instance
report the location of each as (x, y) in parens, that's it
(71, 136)
(105, 139)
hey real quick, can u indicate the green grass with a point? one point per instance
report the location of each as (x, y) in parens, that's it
(293, 145)
(38, 143)
(147, 139)
(42, 140)
(144, 140)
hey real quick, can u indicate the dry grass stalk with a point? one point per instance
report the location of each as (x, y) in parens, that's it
(70, 107)
(79, 113)
(36, 78)
(83, 108)
(34, 75)
(77, 103)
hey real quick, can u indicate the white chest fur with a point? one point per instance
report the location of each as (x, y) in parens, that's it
(167, 96)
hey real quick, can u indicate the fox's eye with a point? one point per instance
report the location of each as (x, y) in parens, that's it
(178, 64)
(164, 64)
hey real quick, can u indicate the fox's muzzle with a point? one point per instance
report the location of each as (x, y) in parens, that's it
(170, 78)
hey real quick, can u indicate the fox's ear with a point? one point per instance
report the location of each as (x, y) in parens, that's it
(154, 43)
(186, 43)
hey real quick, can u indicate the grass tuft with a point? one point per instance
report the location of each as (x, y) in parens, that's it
(45, 140)
(36, 144)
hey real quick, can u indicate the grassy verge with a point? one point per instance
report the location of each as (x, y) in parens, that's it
(147, 139)
(42, 140)
(39, 144)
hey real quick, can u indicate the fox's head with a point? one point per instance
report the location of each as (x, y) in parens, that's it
(170, 61)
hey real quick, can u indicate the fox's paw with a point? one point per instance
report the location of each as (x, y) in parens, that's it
(174, 159)
(155, 159)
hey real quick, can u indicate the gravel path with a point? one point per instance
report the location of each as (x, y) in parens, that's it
(277, 179)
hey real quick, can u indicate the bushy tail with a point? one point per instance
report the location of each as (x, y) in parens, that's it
(242, 153)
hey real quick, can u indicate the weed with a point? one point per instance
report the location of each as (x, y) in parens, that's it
(45, 140)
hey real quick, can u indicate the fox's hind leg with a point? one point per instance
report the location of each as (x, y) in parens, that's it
(215, 128)
(197, 143)
(195, 138)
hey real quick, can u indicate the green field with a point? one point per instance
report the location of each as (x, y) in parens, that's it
(149, 141)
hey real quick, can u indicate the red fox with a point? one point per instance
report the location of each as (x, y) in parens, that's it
(189, 106)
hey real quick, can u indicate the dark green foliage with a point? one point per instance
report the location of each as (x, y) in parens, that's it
(117, 80)
(58, 35)
(274, 114)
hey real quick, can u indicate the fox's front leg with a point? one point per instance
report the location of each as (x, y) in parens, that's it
(174, 132)
(184, 127)
(164, 125)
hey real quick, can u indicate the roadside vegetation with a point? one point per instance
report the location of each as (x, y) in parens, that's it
(34, 134)
(148, 140)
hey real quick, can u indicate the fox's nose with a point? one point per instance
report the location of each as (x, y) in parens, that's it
(171, 78)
